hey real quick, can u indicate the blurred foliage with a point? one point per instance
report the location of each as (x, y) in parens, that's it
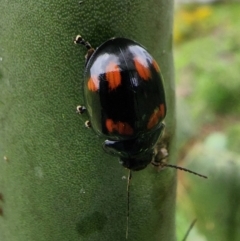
(207, 67)
(214, 202)
(207, 60)
(191, 21)
(233, 143)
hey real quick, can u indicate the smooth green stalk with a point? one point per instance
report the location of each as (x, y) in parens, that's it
(56, 183)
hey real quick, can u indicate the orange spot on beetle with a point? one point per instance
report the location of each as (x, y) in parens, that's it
(122, 128)
(156, 115)
(113, 75)
(155, 65)
(93, 83)
(142, 70)
(110, 125)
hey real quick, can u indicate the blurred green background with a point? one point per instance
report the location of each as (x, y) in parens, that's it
(207, 62)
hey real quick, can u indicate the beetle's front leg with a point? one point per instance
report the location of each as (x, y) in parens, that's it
(80, 109)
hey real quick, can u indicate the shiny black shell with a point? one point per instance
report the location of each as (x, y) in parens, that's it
(123, 90)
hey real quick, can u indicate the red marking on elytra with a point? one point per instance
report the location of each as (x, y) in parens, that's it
(143, 71)
(156, 66)
(93, 83)
(156, 116)
(113, 75)
(122, 128)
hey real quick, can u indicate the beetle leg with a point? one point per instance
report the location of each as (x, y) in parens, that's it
(80, 109)
(88, 124)
(159, 157)
(90, 49)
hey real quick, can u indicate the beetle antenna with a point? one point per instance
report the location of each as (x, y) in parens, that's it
(183, 169)
(128, 197)
(189, 229)
(163, 164)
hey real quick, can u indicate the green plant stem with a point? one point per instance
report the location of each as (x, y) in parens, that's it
(55, 180)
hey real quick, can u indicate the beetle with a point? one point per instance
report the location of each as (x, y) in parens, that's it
(125, 99)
